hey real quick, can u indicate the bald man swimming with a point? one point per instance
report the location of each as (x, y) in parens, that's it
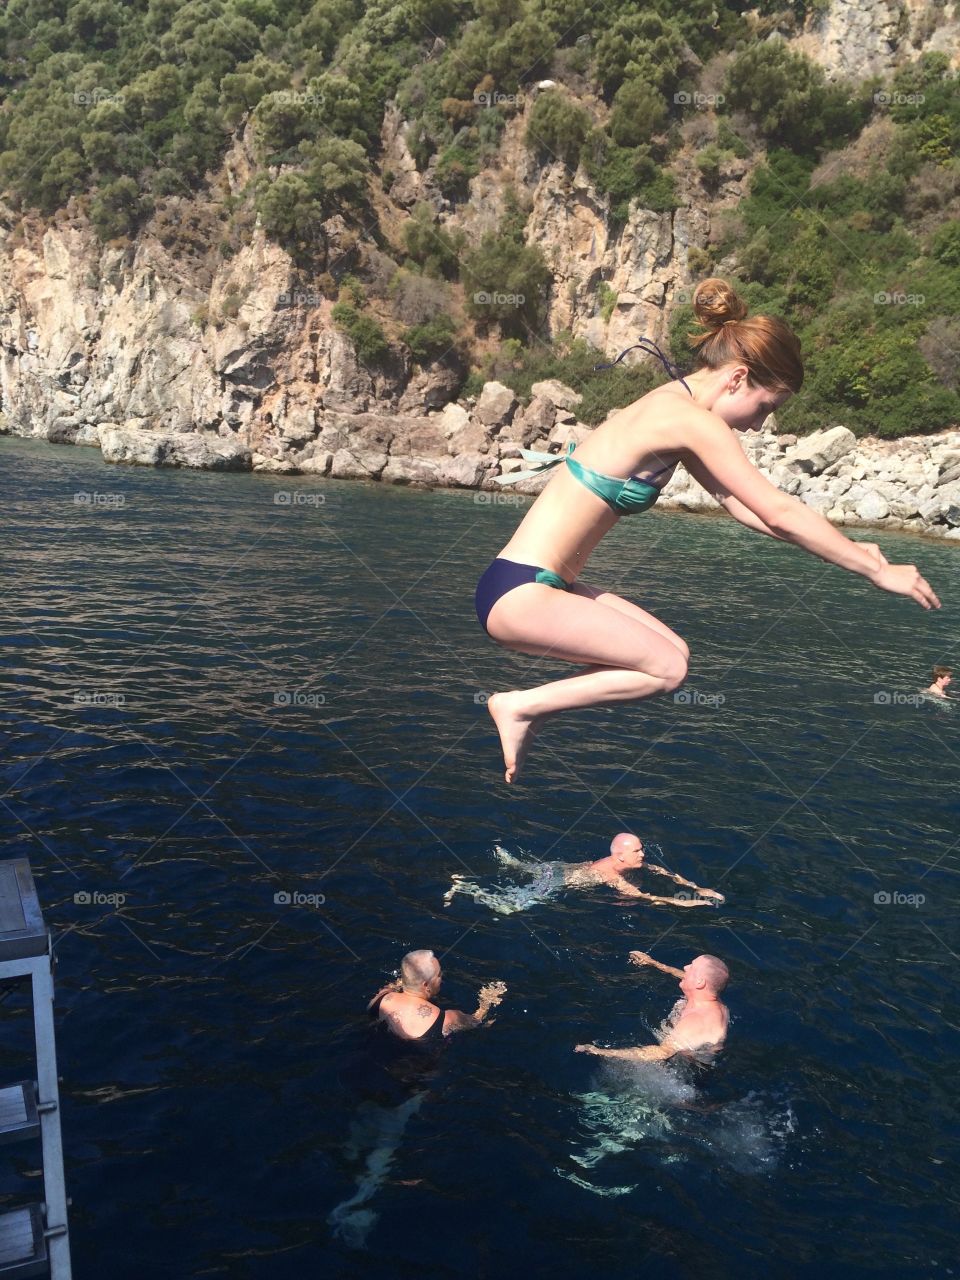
(626, 854)
(696, 1025)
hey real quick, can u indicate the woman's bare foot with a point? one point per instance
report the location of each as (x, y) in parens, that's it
(516, 730)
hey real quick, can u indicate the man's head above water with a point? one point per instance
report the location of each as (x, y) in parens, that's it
(627, 849)
(704, 978)
(420, 973)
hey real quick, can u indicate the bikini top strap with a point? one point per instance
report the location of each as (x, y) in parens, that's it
(648, 345)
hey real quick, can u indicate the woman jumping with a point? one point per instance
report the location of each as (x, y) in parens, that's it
(529, 598)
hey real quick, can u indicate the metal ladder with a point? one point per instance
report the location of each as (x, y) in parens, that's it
(34, 1239)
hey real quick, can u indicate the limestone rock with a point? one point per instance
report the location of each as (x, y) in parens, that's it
(171, 449)
(465, 471)
(818, 500)
(89, 433)
(429, 389)
(564, 432)
(816, 452)
(556, 393)
(275, 466)
(357, 464)
(496, 404)
(785, 479)
(419, 472)
(852, 38)
(472, 438)
(535, 420)
(872, 506)
(318, 463)
(453, 419)
(345, 384)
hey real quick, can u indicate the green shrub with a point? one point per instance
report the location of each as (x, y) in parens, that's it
(557, 128)
(429, 245)
(946, 244)
(607, 300)
(432, 339)
(505, 281)
(363, 331)
(789, 98)
(627, 174)
(117, 208)
(454, 170)
(639, 112)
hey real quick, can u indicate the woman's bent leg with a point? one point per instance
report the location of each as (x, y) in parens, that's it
(626, 658)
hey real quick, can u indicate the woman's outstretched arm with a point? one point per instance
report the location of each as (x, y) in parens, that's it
(715, 459)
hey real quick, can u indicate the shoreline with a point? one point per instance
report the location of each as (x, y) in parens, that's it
(681, 496)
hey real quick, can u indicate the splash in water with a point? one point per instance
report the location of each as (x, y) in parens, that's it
(645, 1107)
(546, 879)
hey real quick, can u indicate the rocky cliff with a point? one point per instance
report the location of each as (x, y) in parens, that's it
(161, 354)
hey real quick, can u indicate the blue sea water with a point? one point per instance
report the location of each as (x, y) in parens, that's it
(246, 749)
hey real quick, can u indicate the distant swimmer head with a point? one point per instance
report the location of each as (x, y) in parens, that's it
(752, 363)
(420, 973)
(704, 974)
(627, 849)
(942, 676)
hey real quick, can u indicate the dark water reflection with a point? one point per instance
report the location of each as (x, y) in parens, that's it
(217, 1064)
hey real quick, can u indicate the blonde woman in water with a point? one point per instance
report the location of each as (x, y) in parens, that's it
(530, 599)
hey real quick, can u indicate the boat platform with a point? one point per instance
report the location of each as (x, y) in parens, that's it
(34, 1238)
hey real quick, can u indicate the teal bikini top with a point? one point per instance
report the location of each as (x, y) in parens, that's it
(628, 497)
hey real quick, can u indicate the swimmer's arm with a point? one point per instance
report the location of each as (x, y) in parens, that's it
(672, 875)
(488, 998)
(649, 1053)
(455, 1020)
(642, 957)
(623, 885)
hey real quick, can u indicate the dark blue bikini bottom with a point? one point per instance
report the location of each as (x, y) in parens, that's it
(502, 576)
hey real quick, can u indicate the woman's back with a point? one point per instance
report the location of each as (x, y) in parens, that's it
(567, 521)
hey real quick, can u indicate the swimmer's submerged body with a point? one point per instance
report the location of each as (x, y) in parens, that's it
(531, 600)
